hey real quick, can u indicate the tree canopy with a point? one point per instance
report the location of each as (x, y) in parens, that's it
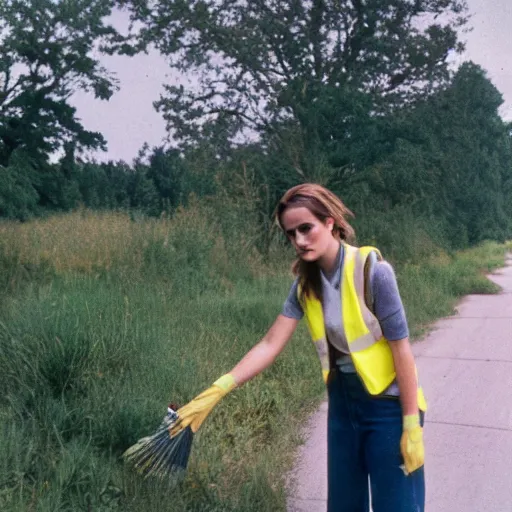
(355, 94)
(261, 63)
(49, 51)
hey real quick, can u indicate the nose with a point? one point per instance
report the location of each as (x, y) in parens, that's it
(300, 239)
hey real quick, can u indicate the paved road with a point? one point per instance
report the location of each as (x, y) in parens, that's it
(465, 367)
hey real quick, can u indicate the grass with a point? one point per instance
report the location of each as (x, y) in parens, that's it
(104, 320)
(430, 289)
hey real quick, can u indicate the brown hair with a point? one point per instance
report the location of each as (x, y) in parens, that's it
(322, 203)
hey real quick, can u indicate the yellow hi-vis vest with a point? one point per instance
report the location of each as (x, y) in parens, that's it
(369, 349)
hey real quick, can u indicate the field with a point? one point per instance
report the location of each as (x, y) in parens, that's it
(105, 318)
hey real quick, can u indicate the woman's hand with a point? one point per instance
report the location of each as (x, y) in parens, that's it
(196, 411)
(411, 443)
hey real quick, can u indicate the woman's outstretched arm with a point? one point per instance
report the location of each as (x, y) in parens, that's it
(263, 354)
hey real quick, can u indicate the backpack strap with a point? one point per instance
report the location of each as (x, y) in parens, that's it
(369, 272)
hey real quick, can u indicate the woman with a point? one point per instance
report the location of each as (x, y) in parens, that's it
(355, 316)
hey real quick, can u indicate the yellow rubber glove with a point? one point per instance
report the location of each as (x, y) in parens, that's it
(196, 411)
(411, 443)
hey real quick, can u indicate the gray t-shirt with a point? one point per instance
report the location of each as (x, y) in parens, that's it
(387, 307)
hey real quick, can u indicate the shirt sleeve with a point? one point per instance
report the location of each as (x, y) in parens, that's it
(388, 306)
(291, 306)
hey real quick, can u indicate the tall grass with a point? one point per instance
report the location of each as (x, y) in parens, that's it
(188, 251)
(88, 365)
(105, 319)
(126, 323)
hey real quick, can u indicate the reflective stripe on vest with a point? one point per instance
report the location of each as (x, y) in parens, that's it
(370, 351)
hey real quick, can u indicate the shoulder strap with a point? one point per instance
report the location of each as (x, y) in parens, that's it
(372, 258)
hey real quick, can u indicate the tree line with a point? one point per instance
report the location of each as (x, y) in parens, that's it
(358, 95)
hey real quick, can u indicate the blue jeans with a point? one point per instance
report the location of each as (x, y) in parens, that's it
(363, 437)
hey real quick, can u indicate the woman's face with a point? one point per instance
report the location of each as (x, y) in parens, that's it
(312, 238)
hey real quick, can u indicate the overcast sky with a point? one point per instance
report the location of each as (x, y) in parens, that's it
(128, 119)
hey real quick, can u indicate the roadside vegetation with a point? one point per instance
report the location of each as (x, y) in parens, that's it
(104, 320)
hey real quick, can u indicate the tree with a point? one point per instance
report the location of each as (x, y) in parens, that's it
(266, 65)
(167, 171)
(18, 197)
(452, 161)
(474, 155)
(143, 192)
(48, 52)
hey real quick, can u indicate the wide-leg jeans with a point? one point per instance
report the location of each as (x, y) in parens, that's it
(363, 435)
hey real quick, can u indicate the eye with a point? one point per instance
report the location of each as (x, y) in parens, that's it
(304, 229)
